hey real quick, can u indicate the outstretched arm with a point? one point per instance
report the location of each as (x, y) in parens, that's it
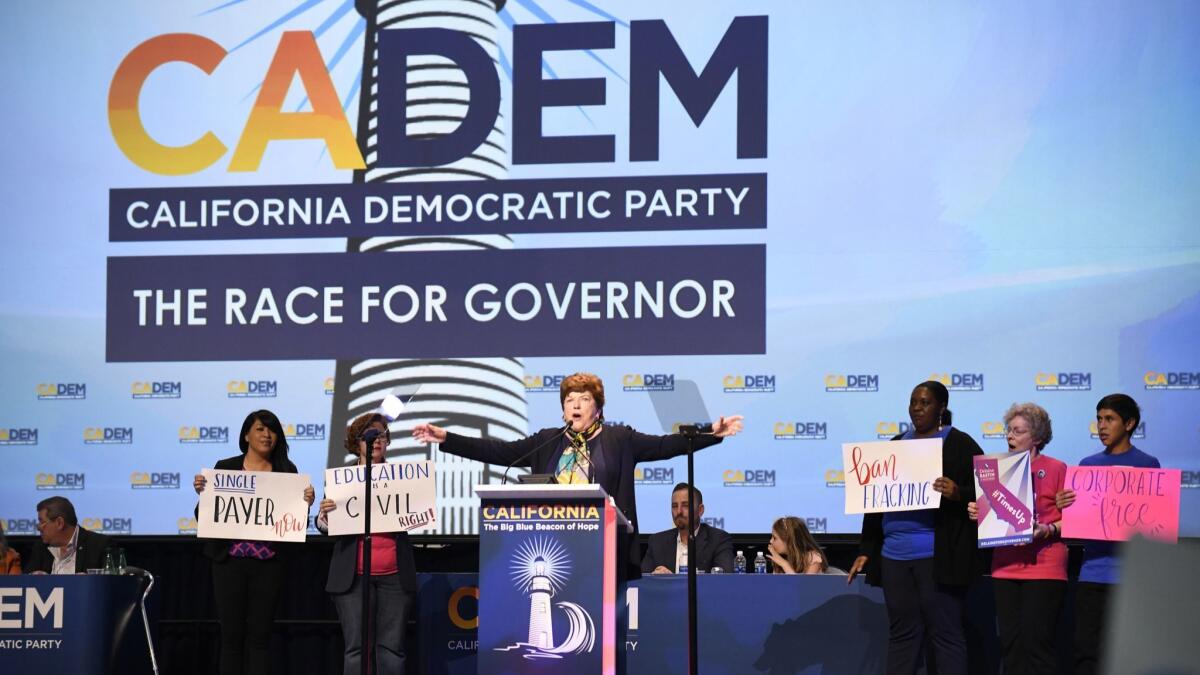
(505, 453)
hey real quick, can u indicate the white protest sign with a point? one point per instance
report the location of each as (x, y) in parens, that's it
(892, 475)
(253, 506)
(403, 497)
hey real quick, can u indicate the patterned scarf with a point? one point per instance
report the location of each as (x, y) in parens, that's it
(576, 462)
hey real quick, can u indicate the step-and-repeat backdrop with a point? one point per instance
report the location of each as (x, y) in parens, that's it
(790, 211)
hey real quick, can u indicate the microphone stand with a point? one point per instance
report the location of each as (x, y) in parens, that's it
(690, 431)
(369, 438)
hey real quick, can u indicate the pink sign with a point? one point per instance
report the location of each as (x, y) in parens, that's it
(1114, 503)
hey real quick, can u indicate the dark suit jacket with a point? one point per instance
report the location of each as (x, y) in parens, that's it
(621, 450)
(344, 563)
(89, 553)
(714, 547)
(217, 550)
(955, 537)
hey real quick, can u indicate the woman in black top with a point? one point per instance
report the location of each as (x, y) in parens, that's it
(925, 559)
(248, 575)
(585, 450)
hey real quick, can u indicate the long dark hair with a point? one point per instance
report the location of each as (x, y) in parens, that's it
(279, 454)
(3, 541)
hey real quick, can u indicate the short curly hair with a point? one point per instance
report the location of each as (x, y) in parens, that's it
(582, 382)
(355, 431)
(1038, 418)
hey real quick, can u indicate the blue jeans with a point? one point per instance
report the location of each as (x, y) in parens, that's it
(390, 606)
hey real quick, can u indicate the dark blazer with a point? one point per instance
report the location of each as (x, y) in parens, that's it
(955, 537)
(621, 450)
(344, 562)
(89, 553)
(217, 550)
(714, 547)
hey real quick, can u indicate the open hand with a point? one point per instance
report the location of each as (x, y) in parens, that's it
(727, 426)
(428, 433)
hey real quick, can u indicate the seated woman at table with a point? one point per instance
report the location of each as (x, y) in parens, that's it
(393, 572)
(585, 450)
(10, 560)
(791, 542)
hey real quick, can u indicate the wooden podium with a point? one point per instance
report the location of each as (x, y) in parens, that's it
(548, 579)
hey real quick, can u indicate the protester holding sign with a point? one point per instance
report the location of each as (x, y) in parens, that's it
(1030, 580)
(925, 559)
(1117, 416)
(393, 572)
(248, 575)
(584, 450)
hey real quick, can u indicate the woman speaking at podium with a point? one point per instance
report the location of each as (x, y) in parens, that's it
(584, 450)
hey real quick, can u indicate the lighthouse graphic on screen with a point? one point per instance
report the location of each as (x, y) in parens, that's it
(482, 397)
(540, 568)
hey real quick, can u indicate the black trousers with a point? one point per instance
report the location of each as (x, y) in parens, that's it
(247, 594)
(1027, 614)
(1091, 608)
(916, 605)
(390, 608)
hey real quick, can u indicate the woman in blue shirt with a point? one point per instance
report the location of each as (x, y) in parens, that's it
(925, 559)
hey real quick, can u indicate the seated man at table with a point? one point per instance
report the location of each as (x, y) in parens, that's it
(65, 548)
(714, 548)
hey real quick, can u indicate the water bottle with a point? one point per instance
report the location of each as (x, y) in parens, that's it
(760, 564)
(110, 562)
(739, 563)
(121, 562)
(683, 563)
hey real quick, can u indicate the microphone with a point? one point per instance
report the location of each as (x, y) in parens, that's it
(555, 437)
(695, 429)
(369, 436)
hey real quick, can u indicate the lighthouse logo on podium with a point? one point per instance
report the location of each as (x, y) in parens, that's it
(540, 568)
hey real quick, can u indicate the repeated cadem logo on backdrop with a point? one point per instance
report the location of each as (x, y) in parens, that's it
(801, 431)
(992, 429)
(1069, 381)
(60, 481)
(203, 434)
(62, 391)
(108, 435)
(141, 390)
(838, 382)
(18, 436)
(1173, 381)
(960, 381)
(748, 384)
(748, 477)
(108, 525)
(543, 384)
(154, 480)
(305, 431)
(654, 475)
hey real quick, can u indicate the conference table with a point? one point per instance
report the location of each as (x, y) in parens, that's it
(748, 623)
(70, 623)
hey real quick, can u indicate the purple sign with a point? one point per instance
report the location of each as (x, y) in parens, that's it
(1004, 487)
